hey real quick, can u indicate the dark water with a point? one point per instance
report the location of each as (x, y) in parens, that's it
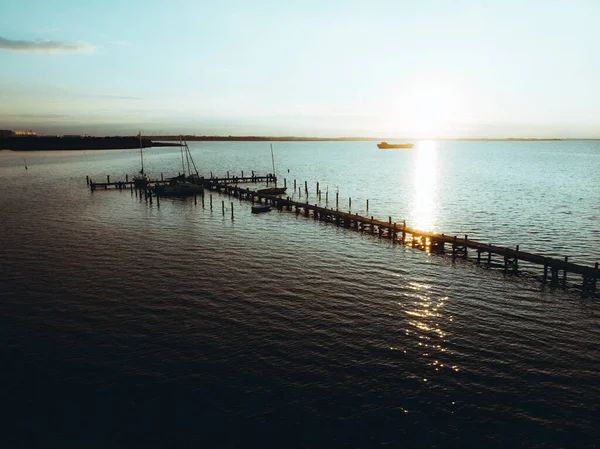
(125, 324)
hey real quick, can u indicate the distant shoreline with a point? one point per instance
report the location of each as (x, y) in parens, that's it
(346, 139)
(54, 143)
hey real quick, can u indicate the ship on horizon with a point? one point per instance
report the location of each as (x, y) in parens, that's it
(391, 146)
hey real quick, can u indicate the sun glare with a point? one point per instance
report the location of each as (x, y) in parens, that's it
(425, 185)
(433, 109)
(426, 111)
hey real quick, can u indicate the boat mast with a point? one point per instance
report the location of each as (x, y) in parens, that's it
(182, 162)
(191, 158)
(141, 153)
(273, 162)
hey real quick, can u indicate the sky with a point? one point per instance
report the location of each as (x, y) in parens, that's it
(326, 68)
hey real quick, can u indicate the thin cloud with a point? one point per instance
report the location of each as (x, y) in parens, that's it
(122, 43)
(40, 46)
(119, 97)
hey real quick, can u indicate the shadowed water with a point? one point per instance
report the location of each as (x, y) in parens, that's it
(130, 325)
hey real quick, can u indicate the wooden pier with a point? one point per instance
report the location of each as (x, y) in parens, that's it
(511, 261)
(119, 185)
(508, 259)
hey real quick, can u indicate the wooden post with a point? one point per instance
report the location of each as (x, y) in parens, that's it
(554, 276)
(465, 249)
(126, 177)
(349, 204)
(242, 173)
(489, 262)
(403, 231)
(87, 180)
(326, 197)
(317, 187)
(367, 205)
(227, 174)
(108, 179)
(389, 227)
(319, 196)
(284, 183)
(294, 184)
(564, 280)
(454, 249)
(306, 188)
(232, 211)
(337, 200)
(223, 207)
(162, 177)
(195, 199)
(203, 201)
(210, 200)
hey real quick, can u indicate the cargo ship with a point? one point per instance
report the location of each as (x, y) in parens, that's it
(391, 146)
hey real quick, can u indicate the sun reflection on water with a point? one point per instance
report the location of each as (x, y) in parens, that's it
(425, 160)
(425, 320)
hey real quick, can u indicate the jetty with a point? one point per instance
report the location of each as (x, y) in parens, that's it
(255, 179)
(512, 261)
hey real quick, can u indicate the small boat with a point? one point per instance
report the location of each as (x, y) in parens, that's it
(272, 191)
(183, 185)
(261, 208)
(141, 180)
(391, 146)
(179, 188)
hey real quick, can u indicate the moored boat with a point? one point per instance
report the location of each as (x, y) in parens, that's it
(390, 146)
(179, 188)
(189, 184)
(140, 181)
(272, 191)
(261, 208)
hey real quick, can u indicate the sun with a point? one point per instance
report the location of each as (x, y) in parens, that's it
(427, 110)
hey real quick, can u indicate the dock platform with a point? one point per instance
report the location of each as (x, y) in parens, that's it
(508, 259)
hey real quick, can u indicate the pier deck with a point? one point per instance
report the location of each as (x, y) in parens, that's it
(554, 270)
(428, 241)
(269, 178)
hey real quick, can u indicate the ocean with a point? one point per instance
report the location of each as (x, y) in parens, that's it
(129, 324)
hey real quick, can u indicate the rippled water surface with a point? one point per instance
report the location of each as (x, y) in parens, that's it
(125, 324)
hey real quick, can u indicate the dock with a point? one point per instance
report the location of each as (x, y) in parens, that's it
(509, 260)
(512, 261)
(127, 184)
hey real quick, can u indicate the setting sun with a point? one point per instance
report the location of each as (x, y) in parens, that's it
(433, 108)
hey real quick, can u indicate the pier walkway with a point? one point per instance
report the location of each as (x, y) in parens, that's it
(510, 260)
(554, 270)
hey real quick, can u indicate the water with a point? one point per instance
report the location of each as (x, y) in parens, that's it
(129, 325)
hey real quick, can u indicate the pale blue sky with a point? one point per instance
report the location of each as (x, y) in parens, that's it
(307, 68)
